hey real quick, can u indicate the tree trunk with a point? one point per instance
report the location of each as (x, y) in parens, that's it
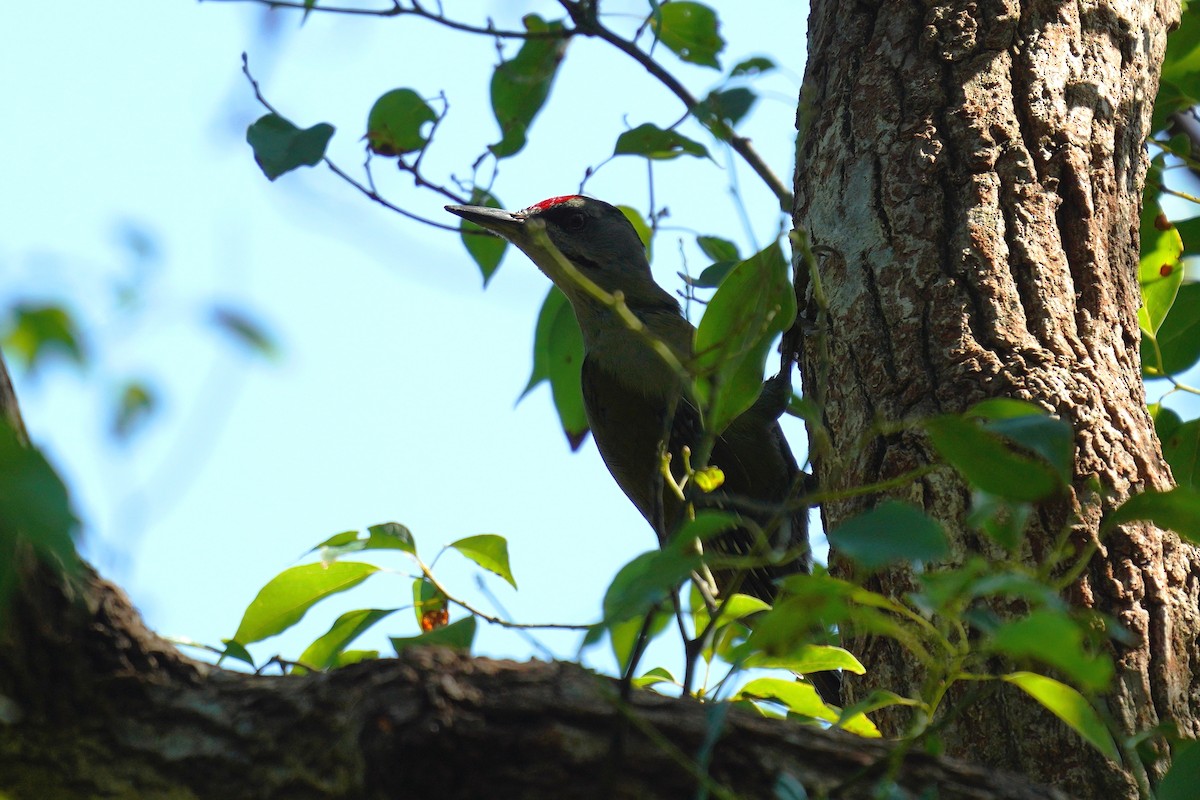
(974, 171)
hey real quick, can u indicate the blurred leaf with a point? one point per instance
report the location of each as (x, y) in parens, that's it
(738, 607)
(289, 595)
(36, 332)
(890, 532)
(650, 141)
(753, 305)
(485, 248)
(34, 508)
(521, 85)
(558, 358)
(1003, 520)
(457, 635)
(348, 657)
(1032, 428)
(1177, 510)
(690, 30)
(1069, 706)
(644, 232)
(1160, 271)
(395, 122)
(1178, 336)
(244, 330)
(1183, 777)
(488, 551)
(1181, 448)
(986, 462)
(730, 105)
(1166, 421)
(280, 147)
(647, 581)
(323, 653)
(751, 67)
(624, 635)
(135, 405)
(1055, 639)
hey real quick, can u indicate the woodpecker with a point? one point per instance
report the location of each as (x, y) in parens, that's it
(634, 401)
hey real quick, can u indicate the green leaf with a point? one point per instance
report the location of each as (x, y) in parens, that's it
(385, 536)
(521, 85)
(753, 305)
(986, 462)
(808, 658)
(558, 358)
(690, 30)
(890, 532)
(244, 330)
(279, 146)
(237, 652)
(37, 331)
(488, 551)
(323, 653)
(654, 677)
(1183, 777)
(650, 141)
(1181, 448)
(718, 249)
(1055, 639)
(485, 248)
(802, 698)
(1178, 336)
(647, 581)
(390, 536)
(395, 122)
(430, 605)
(289, 595)
(136, 403)
(725, 256)
(1160, 272)
(1177, 510)
(1069, 706)
(457, 635)
(796, 697)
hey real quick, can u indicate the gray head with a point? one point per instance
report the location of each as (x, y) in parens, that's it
(593, 235)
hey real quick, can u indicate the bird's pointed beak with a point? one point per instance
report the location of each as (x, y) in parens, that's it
(503, 223)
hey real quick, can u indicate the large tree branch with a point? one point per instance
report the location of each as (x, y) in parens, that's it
(100, 706)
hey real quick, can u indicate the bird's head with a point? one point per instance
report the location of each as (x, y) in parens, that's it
(595, 237)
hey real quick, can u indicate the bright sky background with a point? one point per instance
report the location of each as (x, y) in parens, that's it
(394, 397)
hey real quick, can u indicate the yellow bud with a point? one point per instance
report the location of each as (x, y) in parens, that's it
(709, 479)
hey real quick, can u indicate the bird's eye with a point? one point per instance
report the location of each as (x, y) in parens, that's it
(576, 221)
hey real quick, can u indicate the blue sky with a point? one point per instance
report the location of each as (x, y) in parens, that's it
(394, 397)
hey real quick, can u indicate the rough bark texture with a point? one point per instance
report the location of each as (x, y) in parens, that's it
(975, 169)
(97, 706)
